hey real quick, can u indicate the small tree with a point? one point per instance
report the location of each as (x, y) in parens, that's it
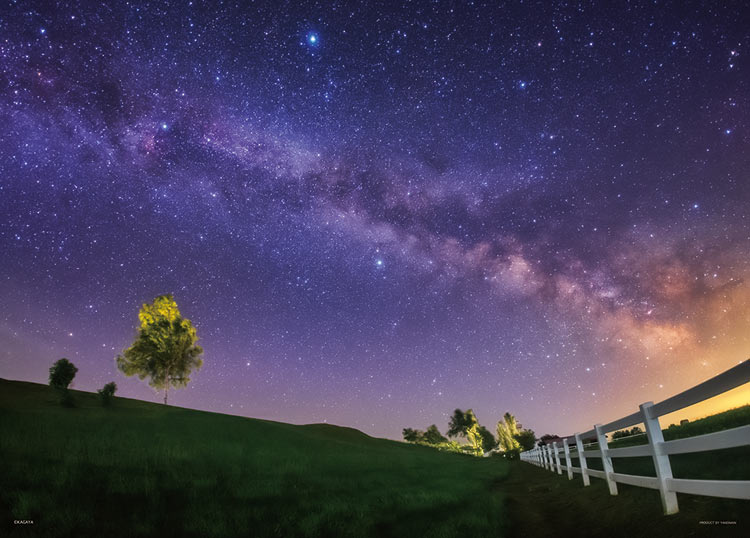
(507, 429)
(466, 425)
(433, 436)
(526, 438)
(488, 440)
(61, 374)
(412, 435)
(546, 438)
(107, 393)
(165, 348)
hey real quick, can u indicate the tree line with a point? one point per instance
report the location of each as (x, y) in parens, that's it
(511, 438)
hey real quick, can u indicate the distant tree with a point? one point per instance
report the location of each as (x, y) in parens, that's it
(507, 429)
(165, 348)
(466, 425)
(61, 374)
(412, 436)
(457, 424)
(107, 393)
(526, 438)
(635, 430)
(546, 438)
(488, 440)
(433, 436)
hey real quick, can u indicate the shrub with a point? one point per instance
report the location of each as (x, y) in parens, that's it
(61, 375)
(107, 393)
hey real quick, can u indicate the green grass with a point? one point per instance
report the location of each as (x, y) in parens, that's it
(551, 504)
(542, 503)
(142, 469)
(700, 465)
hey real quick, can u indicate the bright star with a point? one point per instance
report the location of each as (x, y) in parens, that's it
(379, 263)
(312, 39)
(164, 126)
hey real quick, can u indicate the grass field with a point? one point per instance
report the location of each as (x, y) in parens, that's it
(142, 469)
(701, 465)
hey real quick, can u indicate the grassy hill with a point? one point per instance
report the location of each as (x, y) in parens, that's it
(143, 469)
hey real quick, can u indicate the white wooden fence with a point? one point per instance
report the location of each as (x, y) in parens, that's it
(660, 450)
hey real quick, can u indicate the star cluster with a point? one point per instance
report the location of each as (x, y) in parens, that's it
(375, 214)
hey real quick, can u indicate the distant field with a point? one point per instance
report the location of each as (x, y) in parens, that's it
(727, 464)
(552, 504)
(142, 469)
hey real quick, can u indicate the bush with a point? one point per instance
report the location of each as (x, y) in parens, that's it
(107, 393)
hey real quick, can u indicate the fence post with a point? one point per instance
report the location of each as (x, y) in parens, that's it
(601, 437)
(661, 460)
(549, 458)
(582, 461)
(557, 457)
(567, 459)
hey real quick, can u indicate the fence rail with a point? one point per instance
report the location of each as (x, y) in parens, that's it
(549, 456)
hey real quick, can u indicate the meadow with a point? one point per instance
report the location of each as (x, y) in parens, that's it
(143, 469)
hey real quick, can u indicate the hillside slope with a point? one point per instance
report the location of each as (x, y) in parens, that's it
(143, 469)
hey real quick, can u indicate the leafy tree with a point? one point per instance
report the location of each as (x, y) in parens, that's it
(433, 436)
(526, 438)
(507, 429)
(61, 374)
(466, 425)
(107, 393)
(457, 424)
(165, 348)
(488, 440)
(412, 436)
(546, 438)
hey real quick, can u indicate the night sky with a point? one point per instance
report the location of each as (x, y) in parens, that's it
(375, 214)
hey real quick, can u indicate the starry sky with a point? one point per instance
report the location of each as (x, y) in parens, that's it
(375, 214)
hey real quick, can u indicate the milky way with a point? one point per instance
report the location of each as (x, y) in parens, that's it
(374, 215)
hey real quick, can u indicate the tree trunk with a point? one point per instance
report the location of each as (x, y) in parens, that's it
(166, 387)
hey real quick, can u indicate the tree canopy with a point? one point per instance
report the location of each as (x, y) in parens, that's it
(507, 430)
(465, 424)
(411, 435)
(61, 374)
(526, 438)
(488, 440)
(165, 349)
(433, 435)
